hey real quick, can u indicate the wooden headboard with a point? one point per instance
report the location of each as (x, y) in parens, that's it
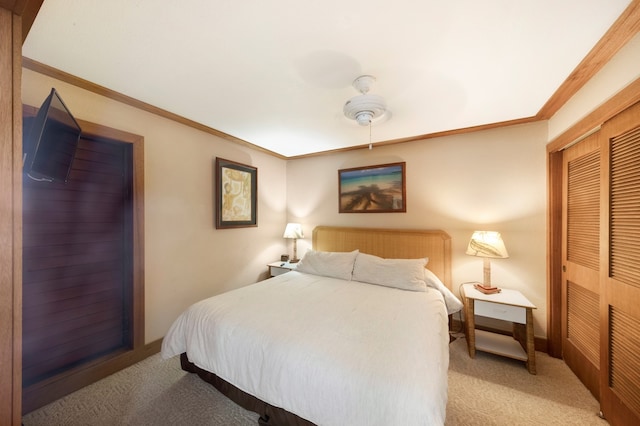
(390, 244)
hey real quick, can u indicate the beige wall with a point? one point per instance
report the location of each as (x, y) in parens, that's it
(489, 180)
(186, 258)
(494, 179)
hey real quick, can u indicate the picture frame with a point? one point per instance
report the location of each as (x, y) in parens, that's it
(236, 194)
(373, 189)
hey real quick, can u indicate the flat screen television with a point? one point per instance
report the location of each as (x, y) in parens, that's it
(51, 141)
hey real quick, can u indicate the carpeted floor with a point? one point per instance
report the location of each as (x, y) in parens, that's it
(488, 390)
(493, 390)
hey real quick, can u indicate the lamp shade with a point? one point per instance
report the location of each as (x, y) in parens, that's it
(487, 244)
(293, 230)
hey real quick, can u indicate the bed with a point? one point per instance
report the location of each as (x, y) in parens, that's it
(357, 335)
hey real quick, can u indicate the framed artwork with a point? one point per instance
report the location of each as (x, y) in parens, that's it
(236, 194)
(372, 189)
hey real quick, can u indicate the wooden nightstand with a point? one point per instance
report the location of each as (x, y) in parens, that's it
(508, 305)
(279, 268)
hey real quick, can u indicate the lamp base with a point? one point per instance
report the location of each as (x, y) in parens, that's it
(486, 289)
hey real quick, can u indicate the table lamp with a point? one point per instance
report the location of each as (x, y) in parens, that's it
(294, 231)
(488, 245)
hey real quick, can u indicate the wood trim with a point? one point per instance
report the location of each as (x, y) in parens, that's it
(127, 100)
(625, 27)
(16, 399)
(14, 6)
(554, 253)
(111, 94)
(29, 13)
(623, 30)
(34, 397)
(56, 387)
(26, 9)
(99, 131)
(434, 135)
(618, 103)
(10, 218)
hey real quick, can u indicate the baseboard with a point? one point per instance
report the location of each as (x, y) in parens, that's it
(47, 391)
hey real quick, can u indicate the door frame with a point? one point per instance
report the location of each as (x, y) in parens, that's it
(56, 387)
(592, 122)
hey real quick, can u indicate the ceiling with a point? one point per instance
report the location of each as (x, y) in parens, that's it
(277, 73)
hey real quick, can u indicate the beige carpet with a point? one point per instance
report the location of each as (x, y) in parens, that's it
(493, 390)
(488, 390)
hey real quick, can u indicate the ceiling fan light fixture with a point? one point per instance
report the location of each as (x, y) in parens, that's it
(364, 108)
(364, 117)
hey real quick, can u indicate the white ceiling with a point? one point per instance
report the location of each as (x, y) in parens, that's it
(277, 73)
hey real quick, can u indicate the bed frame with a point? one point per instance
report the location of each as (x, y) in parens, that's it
(391, 244)
(387, 243)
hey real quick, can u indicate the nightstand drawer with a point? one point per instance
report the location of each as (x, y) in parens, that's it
(499, 311)
(275, 271)
(279, 268)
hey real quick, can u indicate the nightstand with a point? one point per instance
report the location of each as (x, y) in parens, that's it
(279, 268)
(508, 305)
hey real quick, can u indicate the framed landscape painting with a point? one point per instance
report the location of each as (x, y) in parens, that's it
(236, 194)
(372, 189)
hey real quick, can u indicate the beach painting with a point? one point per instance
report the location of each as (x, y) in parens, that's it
(372, 189)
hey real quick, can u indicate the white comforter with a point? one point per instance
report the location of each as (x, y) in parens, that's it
(333, 352)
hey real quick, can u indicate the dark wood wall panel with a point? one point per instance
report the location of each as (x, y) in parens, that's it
(77, 269)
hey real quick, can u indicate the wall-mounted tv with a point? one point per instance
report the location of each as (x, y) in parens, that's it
(50, 144)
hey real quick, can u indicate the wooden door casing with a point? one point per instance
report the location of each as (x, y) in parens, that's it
(60, 385)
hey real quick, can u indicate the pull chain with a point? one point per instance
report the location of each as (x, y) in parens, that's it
(370, 146)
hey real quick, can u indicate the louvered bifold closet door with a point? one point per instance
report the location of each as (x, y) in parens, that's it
(620, 312)
(581, 254)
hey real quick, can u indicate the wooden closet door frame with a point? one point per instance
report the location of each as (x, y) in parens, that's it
(616, 104)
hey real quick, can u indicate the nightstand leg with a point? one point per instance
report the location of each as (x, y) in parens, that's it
(531, 344)
(469, 319)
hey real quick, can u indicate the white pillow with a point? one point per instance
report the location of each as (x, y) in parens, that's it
(405, 274)
(453, 303)
(328, 264)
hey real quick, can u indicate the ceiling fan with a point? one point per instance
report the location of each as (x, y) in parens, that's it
(365, 107)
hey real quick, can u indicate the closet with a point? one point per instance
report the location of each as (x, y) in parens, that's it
(600, 278)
